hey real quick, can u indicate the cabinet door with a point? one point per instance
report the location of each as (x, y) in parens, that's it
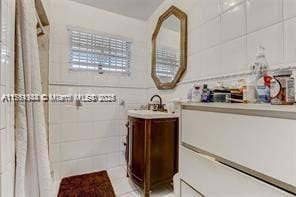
(164, 150)
(136, 148)
(266, 145)
(212, 178)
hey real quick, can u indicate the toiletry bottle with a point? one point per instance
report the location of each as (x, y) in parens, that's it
(260, 76)
(189, 95)
(196, 93)
(260, 66)
(205, 96)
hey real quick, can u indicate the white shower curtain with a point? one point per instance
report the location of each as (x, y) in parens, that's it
(32, 175)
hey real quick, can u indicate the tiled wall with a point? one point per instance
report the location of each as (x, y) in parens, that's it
(224, 35)
(7, 8)
(90, 138)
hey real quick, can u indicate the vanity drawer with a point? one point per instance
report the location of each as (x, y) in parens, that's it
(262, 144)
(188, 191)
(211, 178)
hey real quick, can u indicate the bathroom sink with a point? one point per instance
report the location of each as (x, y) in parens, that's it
(148, 114)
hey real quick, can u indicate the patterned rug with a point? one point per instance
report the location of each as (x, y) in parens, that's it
(95, 184)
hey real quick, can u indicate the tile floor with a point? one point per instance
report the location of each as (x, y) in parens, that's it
(123, 187)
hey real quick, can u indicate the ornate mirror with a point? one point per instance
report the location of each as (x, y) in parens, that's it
(169, 48)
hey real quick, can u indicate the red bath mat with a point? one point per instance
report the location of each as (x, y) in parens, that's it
(95, 184)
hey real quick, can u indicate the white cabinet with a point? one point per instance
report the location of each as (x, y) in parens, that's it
(263, 145)
(266, 145)
(213, 179)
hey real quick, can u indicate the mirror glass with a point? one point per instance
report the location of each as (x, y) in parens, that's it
(168, 49)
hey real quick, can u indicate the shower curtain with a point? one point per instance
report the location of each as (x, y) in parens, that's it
(32, 173)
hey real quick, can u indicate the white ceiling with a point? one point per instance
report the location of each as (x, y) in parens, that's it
(139, 9)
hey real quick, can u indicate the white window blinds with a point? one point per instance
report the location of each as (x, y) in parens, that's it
(168, 62)
(101, 53)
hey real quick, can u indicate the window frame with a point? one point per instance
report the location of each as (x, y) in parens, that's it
(104, 36)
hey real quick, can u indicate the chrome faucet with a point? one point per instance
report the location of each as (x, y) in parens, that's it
(156, 107)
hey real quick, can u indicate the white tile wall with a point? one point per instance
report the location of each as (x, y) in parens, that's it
(209, 9)
(7, 8)
(228, 4)
(243, 26)
(91, 133)
(90, 137)
(289, 8)
(272, 38)
(211, 59)
(210, 33)
(290, 40)
(234, 55)
(261, 13)
(233, 23)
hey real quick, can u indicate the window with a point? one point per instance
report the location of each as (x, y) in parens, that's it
(99, 52)
(167, 61)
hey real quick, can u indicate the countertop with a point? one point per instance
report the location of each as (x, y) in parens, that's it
(268, 110)
(146, 114)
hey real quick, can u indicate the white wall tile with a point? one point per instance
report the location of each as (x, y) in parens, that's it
(261, 13)
(75, 131)
(227, 4)
(209, 9)
(194, 67)
(55, 153)
(80, 149)
(210, 33)
(54, 112)
(54, 134)
(272, 39)
(290, 40)
(81, 166)
(103, 129)
(234, 56)
(233, 23)
(289, 8)
(196, 16)
(211, 62)
(195, 43)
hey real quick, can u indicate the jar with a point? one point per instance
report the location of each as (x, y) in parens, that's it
(282, 89)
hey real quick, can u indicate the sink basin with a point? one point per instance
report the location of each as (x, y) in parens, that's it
(147, 114)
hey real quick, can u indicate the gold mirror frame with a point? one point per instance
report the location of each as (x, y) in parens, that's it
(183, 47)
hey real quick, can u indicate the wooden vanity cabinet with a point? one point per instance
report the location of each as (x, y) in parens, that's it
(152, 151)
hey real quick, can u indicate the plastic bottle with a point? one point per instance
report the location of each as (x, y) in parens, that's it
(260, 66)
(189, 95)
(206, 94)
(196, 93)
(259, 71)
